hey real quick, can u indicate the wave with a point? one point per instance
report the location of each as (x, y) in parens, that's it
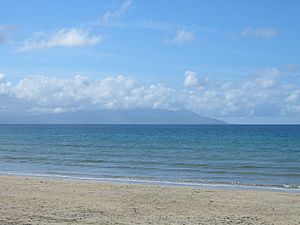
(177, 183)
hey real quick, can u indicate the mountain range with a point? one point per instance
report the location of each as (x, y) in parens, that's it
(136, 116)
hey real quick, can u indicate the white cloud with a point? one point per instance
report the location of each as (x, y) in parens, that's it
(265, 94)
(183, 36)
(191, 79)
(259, 32)
(4, 85)
(62, 38)
(53, 94)
(112, 15)
(262, 95)
(293, 97)
(267, 78)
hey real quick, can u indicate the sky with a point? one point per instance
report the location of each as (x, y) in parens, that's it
(233, 60)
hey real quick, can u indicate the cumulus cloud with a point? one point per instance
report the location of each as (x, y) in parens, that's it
(50, 94)
(262, 95)
(191, 79)
(62, 38)
(112, 15)
(183, 36)
(265, 94)
(259, 32)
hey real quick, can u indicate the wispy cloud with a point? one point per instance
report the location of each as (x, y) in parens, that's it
(112, 19)
(183, 36)
(72, 37)
(259, 32)
(116, 14)
(152, 25)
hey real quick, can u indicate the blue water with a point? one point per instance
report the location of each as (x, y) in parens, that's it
(267, 156)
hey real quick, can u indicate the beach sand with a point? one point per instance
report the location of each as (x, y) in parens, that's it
(48, 201)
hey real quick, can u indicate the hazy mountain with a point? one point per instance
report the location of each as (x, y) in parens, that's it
(137, 116)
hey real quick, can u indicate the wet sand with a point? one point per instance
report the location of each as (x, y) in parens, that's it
(49, 201)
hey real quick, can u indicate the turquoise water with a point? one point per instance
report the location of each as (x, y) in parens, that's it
(266, 156)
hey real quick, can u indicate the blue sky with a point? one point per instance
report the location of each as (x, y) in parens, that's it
(234, 60)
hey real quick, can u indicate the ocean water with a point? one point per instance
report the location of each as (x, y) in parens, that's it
(240, 155)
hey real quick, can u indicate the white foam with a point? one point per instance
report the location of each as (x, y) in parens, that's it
(229, 186)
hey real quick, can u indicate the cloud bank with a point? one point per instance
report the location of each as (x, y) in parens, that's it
(265, 94)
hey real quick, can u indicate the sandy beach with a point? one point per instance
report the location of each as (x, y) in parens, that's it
(47, 201)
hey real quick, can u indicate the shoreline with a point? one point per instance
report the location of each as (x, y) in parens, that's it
(204, 185)
(35, 200)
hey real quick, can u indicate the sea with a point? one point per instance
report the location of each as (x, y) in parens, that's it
(222, 156)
